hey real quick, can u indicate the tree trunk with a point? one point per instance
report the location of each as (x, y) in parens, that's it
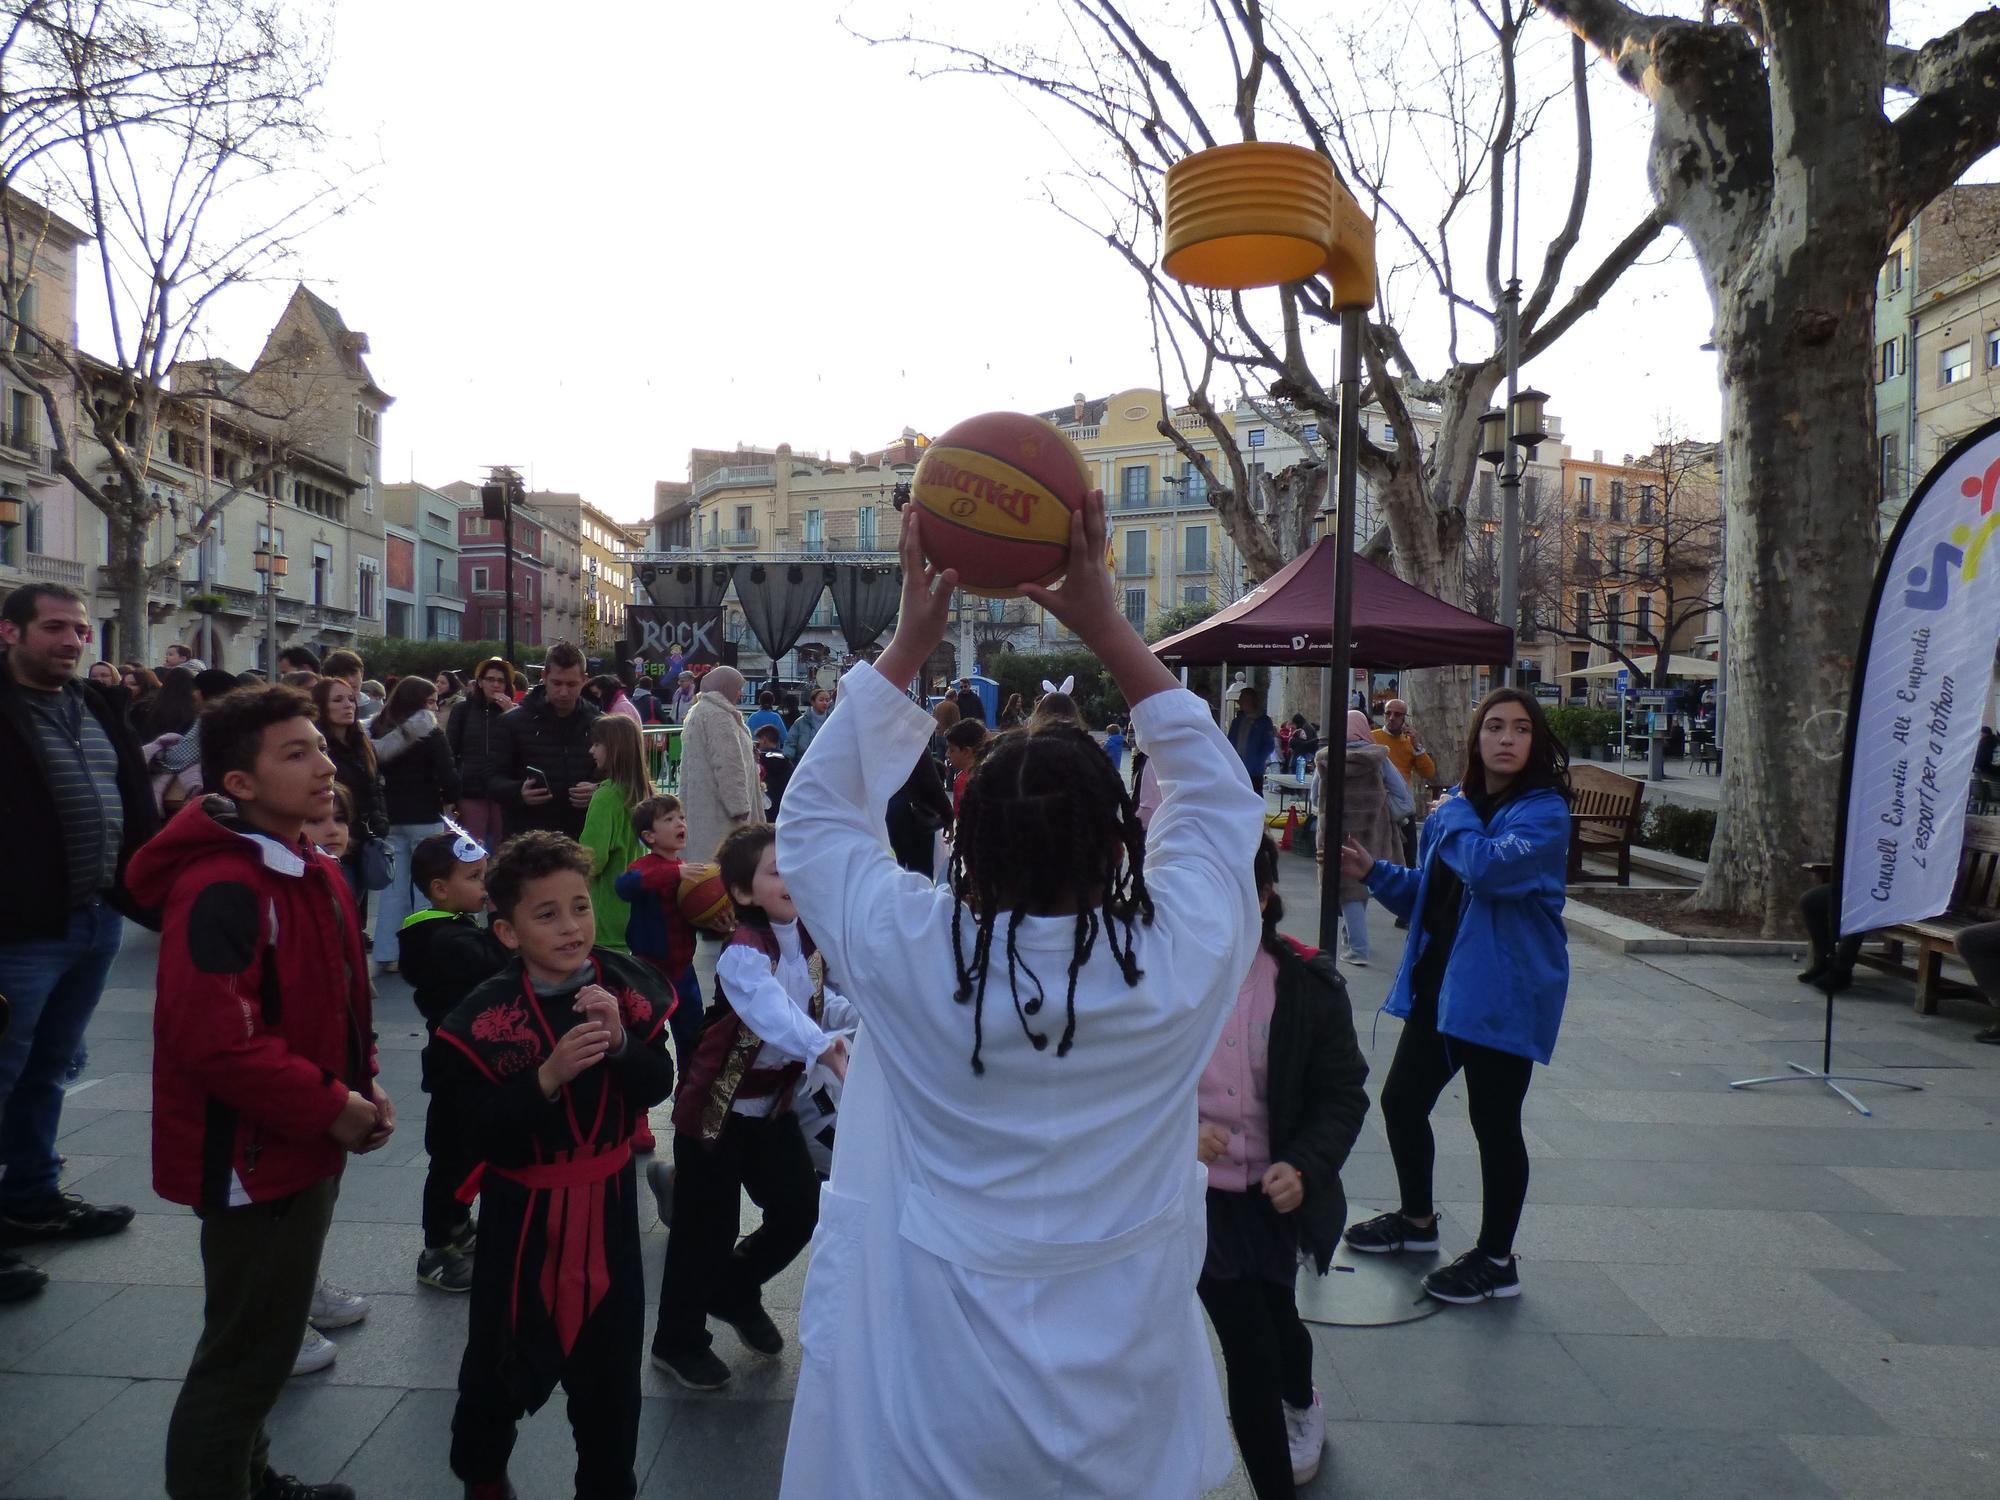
(1796, 342)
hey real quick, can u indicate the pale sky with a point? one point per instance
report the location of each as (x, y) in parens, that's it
(591, 247)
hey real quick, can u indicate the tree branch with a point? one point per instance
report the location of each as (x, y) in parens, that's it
(1625, 36)
(1591, 290)
(1956, 119)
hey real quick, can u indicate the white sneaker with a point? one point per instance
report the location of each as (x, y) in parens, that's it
(1305, 1431)
(1352, 959)
(335, 1307)
(317, 1351)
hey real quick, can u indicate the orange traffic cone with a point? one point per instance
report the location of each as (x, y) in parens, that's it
(1291, 826)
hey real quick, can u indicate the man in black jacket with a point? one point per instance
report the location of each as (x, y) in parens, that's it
(542, 773)
(75, 802)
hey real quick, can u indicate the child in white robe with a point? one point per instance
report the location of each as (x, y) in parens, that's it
(1001, 1296)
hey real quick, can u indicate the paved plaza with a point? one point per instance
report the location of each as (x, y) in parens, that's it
(1726, 1294)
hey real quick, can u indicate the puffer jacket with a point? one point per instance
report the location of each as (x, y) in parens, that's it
(419, 776)
(472, 732)
(1507, 977)
(262, 1023)
(556, 745)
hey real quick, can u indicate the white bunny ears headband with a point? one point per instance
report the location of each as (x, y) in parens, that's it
(1068, 684)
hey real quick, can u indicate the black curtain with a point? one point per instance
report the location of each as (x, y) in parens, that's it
(685, 585)
(778, 599)
(866, 597)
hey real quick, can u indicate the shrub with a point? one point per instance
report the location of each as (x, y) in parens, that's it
(385, 655)
(1579, 727)
(1022, 672)
(1686, 831)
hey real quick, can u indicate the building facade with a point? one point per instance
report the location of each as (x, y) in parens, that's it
(482, 572)
(604, 575)
(426, 599)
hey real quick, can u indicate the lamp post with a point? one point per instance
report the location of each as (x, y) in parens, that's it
(1258, 214)
(1508, 438)
(271, 566)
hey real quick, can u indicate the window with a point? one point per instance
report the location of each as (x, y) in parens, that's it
(1583, 492)
(1617, 499)
(1197, 549)
(1646, 557)
(1892, 272)
(864, 528)
(1888, 360)
(20, 419)
(437, 575)
(1646, 504)
(1583, 552)
(36, 541)
(1617, 554)
(815, 534)
(1194, 485)
(1135, 552)
(1993, 348)
(1955, 364)
(479, 577)
(1133, 483)
(1388, 435)
(1891, 470)
(476, 525)
(1645, 614)
(1135, 608)
(1614, 612)
(1312, 432)
(367, 425)
(322, 574)
(1582, 617)
(1256, 437)
(742, 518)
(1195, 593)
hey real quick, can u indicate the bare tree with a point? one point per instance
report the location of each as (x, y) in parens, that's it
(177, 134)
(1137, 102)
(1775, 154)
(1645, 568)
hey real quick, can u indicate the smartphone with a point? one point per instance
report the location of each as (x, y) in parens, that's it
(538, 775)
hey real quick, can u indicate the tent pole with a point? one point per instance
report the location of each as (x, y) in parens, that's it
(1333, 797)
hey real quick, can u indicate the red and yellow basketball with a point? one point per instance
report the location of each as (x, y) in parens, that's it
(704, 899)
(997, 492)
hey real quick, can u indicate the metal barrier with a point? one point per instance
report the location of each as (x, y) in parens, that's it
(663, 755)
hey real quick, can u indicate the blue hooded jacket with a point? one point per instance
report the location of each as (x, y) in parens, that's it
(1508, 974)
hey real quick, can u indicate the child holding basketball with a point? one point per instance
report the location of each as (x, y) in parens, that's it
(1015, 1206)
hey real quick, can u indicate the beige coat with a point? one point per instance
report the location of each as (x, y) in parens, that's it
(1365, 810)
(719, 784)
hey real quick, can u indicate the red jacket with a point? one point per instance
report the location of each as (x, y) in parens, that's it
(261, 1024)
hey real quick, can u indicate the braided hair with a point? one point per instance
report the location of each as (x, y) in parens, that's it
(1045, 824)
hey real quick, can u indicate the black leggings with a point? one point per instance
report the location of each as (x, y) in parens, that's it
(1496, 1083)
(1267, 1355)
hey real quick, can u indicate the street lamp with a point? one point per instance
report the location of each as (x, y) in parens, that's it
(1508, 437)
(1261, 213)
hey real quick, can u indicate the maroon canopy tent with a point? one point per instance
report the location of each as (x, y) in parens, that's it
(1288, 621)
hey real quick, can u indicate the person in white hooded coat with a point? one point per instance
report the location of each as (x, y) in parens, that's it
(1001, 1296)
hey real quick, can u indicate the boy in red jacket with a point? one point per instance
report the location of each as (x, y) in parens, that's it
(263, 1072)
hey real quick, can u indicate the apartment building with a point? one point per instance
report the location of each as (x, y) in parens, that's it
(604, 577)
(482, 571)
(1936, 364)
(425, 599)
(306, 530)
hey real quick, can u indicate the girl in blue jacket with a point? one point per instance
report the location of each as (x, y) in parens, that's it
(1482, 982)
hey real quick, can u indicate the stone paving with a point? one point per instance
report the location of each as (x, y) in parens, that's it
(1726, 1294)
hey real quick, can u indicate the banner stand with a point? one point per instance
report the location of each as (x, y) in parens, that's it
(1927, 636)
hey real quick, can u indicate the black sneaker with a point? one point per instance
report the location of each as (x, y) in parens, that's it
(1389, 1234)
(697, 1369)
(276, 1486)
(445, 1268)
(1474, 1277)
(63, 1217)
(19, 1280)
(756, 1329)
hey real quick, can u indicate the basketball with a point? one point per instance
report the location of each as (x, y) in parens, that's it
(997, 492)
(704, 900)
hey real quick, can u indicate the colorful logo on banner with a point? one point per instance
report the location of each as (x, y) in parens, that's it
(1920, 695)
(660, 633)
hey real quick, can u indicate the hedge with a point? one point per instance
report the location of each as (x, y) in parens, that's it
(385, 656)
(1686, 831)
(1097, 696)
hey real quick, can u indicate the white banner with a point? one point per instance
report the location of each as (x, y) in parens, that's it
(1918, 703)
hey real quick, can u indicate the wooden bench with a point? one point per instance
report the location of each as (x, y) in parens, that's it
(1603, 819)
(1975, 898)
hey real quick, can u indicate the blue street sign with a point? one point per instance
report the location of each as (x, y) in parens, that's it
(1624, 679)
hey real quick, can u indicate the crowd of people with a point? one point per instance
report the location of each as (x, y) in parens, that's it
(1085, 1089)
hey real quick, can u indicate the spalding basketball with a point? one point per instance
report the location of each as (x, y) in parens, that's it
(997, 492)
(704, 899)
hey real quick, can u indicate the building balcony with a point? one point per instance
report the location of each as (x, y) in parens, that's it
(1134, 568)
(445, 590)
(743, 537)
(1135, 499)
(1196, 565)
(47, 569)
(733, 476)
